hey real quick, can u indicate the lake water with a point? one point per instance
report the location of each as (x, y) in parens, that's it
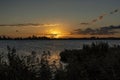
(54, 46)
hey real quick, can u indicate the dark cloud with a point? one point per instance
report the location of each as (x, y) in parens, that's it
(110, 30)
(94, 20)
(115, 11)
(17, 31)
(19, 25)
(101, 16)
(84, 23)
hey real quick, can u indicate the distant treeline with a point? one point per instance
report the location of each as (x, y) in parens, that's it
(26, 38)
(48, 38)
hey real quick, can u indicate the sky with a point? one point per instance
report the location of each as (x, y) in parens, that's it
(60, 18)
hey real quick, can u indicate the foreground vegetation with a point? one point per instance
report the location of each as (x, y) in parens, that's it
(97, 61)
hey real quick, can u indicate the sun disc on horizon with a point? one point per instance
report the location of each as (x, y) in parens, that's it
(55, 33)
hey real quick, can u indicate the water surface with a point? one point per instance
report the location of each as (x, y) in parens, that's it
(54, 46)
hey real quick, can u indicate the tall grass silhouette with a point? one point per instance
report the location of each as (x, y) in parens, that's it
(97, 61)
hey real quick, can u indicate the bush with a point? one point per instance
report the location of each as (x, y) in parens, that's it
(97, 61)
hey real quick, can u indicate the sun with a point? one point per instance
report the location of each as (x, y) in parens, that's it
(55, 33)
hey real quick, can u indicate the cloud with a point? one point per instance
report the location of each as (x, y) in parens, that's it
(94, 20)
(110, 30)
(19, 25)
(99, 18)
(51, 24)
(84, 23)
(28, 24)
(115, 11)
(17, 31)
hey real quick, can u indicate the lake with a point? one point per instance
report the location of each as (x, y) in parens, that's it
(54, 46)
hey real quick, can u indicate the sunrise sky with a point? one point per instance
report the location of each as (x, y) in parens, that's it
(60, 18)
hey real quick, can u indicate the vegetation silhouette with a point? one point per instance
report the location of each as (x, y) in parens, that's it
(23, 68)
(97, 61)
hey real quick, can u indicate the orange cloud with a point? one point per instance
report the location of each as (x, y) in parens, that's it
(94, 20)
(98, 18)
(28, 24)
(102, 16)
(84, 23)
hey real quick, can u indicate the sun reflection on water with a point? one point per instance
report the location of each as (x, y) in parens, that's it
(54, 59)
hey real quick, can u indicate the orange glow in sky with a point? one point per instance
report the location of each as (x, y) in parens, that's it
(60, 18)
